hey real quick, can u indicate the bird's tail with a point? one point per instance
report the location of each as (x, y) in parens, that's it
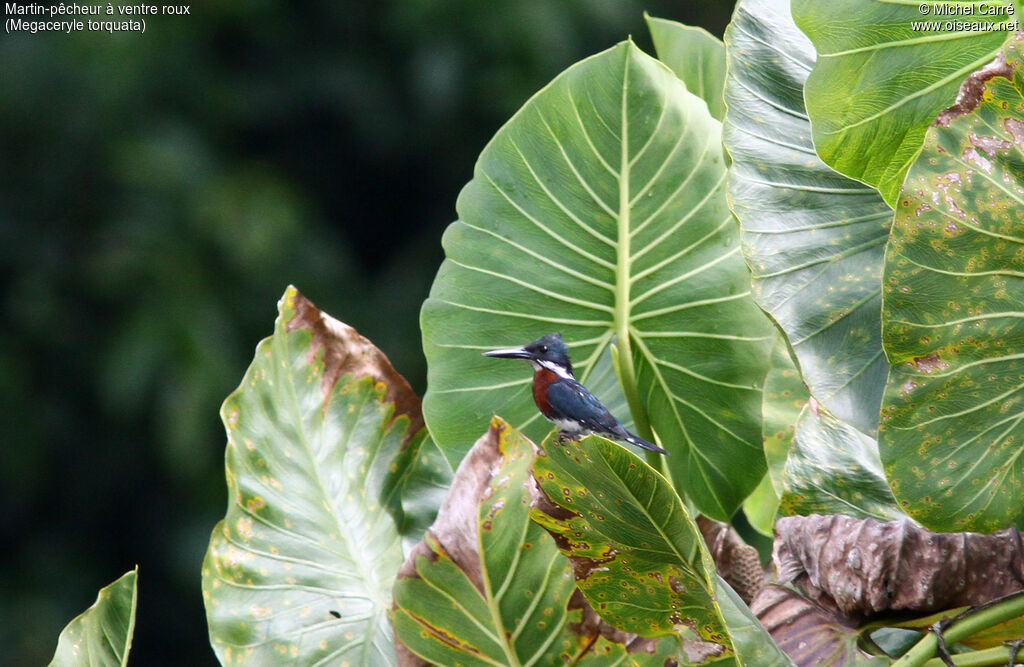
(640, 442)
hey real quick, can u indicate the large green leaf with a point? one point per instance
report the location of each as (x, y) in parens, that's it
(813, 238)
(598, 211)
(696, 56)
(833, 468)
(101, 636)
(952, 415)
(638, 558)
(322, 435)
(487, 586)
(882, 76)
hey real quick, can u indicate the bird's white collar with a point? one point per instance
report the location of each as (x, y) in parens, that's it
(553, 367)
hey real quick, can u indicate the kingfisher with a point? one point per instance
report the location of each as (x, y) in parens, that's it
(562, 399)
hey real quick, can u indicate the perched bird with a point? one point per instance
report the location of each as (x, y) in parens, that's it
(562, 399)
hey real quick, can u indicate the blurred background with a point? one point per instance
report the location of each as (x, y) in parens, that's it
(158, 193)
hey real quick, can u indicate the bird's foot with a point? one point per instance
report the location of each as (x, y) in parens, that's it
(567, 436)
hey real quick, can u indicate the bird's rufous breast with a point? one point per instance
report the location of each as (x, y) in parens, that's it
(542, 379)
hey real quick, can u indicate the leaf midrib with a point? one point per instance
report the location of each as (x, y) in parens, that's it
(366, 575)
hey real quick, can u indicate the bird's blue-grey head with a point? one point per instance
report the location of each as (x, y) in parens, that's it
(548, 351)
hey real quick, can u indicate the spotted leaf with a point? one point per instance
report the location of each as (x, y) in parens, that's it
(784, 398)
(637, 557)
(885, 70)
(953, 414)
(324, 441)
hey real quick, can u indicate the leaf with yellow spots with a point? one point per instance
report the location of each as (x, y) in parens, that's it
(784, 397)
(638, 558)
(486, 586)
(953, 320)
(328, 466)
(101, 636)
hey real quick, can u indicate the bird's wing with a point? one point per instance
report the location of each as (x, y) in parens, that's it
(574, 400)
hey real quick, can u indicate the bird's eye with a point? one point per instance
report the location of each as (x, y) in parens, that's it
(543, 349)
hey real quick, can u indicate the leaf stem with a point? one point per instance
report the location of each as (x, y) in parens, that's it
(997, 655)
(986, 616)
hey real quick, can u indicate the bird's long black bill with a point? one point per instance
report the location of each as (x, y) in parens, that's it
(509, 353)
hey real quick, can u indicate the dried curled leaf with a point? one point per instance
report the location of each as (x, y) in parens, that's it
(868, 566)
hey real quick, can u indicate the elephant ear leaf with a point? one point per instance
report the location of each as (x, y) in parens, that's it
(814, 239)
(324, 442)
(638, 558)
(598, 211)
(101, 636)
(696, 56)
(953, 411)
(486, 586)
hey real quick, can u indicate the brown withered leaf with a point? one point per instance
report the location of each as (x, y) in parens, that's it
(868, 567)
(455, 529)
